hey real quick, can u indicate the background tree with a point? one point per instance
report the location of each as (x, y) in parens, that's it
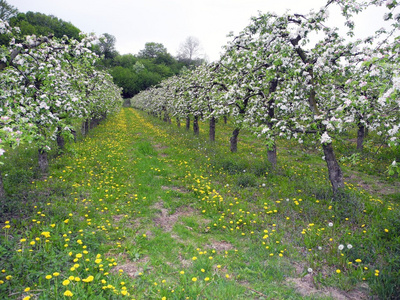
(190, 51)
(7, 11)
(40, 24)
(106, 47)
(152, 50)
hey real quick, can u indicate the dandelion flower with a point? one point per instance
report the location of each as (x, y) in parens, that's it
(46, 234)
(66, 282)
(309, 270)
(341, 247)
(68, 293)
(338, 271)
(194, 279)
(48, 276)
(349, 246)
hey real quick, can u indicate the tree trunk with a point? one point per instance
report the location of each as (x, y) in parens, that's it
(212, 129)
(335, 172)
(60, 140)
(234, 140)
(85, 127)
(178, 122)
(2, 191)
(360, 137)
(225, 119)
(43, 161)
(196, 125)
(271, 153)
(187, 123)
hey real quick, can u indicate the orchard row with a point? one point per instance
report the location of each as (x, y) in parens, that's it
(291, 76)
(47, 86)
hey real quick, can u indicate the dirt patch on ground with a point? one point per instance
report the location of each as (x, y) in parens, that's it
(305, 287)
(160, 147)
(131, 268)
(118, 218)
(220, 246)
(165, 221)
(378, 187)
(174, 188)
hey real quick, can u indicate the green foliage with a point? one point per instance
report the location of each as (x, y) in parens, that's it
(246, 180)
(152, 50)
(41, 24)
(135, 74)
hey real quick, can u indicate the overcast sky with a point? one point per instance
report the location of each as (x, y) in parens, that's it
(170, 22)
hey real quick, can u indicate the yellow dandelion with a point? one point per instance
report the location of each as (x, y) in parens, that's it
(46, 234)
(66, 282)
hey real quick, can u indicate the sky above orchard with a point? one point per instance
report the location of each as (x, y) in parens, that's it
(170, 22)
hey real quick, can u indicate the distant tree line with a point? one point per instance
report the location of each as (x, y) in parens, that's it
(135, 73)
(132, 72)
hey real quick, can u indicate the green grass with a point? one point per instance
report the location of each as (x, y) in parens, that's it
(140, 209)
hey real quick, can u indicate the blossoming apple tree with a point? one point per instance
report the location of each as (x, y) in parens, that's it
(290, 75)
(47, 85)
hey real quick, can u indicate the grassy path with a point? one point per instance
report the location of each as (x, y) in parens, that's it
(135, 212)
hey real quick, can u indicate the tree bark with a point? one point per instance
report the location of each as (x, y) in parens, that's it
(196, 125)
(178, 122)
(360, 137)
(43, 161)
(60, 140)
(2, 191)
(271, 154)
(234, 140)
(212, 129)
(225, 119)
(187, 123)
(166, 117)
(334, 170)
(85, 127)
